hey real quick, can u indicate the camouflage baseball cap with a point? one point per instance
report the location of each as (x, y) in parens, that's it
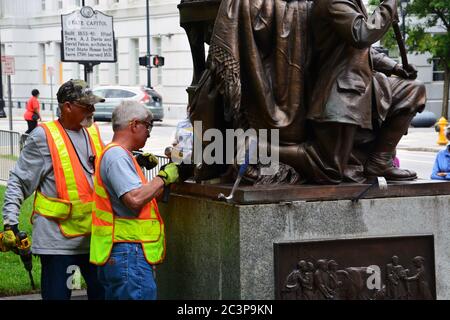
(77, 91)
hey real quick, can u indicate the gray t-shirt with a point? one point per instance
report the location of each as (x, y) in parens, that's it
(34, 171)
(119, 176)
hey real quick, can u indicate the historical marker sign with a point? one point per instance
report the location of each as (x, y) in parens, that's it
(87, 36)
(8, 67)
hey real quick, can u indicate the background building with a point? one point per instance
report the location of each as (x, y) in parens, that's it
(30, 30)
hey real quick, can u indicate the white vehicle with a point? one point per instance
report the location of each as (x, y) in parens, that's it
(114, 95)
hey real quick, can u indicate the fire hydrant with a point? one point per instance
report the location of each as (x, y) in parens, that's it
(442, 123)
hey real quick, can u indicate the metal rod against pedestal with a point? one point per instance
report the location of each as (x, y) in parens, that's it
(149, 70)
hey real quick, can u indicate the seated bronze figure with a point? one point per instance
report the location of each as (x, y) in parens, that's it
(308, 69)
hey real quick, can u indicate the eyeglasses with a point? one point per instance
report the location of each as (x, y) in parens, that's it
(148, 125)
(89, 107)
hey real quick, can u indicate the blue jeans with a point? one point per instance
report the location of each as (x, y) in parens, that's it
(127, 275)
(56, 271)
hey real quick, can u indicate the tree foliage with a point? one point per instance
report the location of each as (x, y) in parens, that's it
(429, 32)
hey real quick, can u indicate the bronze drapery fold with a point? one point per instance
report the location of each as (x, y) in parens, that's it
(256, 69)
(309, 70)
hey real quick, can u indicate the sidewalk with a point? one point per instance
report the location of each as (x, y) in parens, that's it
(420, 139)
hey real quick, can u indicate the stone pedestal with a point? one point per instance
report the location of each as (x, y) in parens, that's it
(218, 250)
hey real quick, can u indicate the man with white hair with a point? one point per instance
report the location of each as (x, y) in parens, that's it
(441, 168)
(127, 229)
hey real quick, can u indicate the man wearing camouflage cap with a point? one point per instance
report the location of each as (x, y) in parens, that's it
(58, 162)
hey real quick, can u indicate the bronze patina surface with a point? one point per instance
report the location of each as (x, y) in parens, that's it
(308, 69)
(391, 268)
(285, 193)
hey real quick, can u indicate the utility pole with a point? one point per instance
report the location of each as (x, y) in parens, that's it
(149, 69)
(403, 7)
(403, 24)
(87, 66)
(2, 102)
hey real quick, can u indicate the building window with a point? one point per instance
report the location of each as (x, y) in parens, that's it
(43, 5)
(2, 8)
(42, 67)
(3, 53)
(97, 75)
(81, 70)
(57, 62)
(114, 67)
(134, 63)
(116, 72)
(157, 49)
(60, 4)
(76, 71)
(438, 70)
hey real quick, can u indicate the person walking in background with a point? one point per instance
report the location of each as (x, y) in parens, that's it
(32, 112)
(441, 168)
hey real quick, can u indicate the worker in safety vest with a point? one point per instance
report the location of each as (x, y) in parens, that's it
(57, 163)
(127, 229)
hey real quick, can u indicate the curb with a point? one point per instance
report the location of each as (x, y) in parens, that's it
(420, 149)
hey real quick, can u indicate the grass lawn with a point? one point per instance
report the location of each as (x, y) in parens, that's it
(14, 279)
(9, 157)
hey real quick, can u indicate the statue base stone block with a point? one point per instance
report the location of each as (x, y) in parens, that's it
(241, 250)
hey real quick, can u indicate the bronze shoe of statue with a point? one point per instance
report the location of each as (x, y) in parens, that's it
(381, 164)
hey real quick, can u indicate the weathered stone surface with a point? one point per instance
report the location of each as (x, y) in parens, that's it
(222, 251)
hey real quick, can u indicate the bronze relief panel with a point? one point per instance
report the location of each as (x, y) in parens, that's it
(388, 268)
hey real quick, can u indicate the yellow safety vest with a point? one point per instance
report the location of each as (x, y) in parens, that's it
(72, 209)
(107, 228)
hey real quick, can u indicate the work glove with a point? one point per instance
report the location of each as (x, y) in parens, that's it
(9, 236)
(147, 160)
(169, 173)
(409, 72)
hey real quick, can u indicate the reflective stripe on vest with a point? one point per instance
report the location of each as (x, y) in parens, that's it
(107, 229)
(95, 139)
(72, 210)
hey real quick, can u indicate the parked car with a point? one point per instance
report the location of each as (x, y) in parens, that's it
(114, 95)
